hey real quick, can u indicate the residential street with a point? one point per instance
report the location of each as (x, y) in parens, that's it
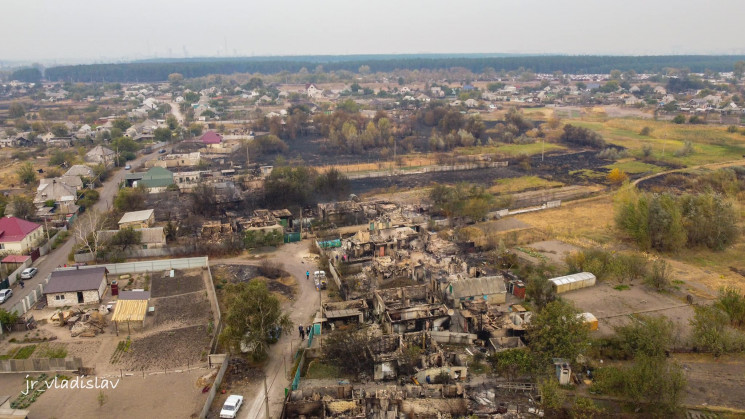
(302, 310)
(46, 264)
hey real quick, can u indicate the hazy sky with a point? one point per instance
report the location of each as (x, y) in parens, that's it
(106, 30)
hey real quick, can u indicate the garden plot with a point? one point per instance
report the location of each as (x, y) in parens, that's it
(168, 349)
(183, 282)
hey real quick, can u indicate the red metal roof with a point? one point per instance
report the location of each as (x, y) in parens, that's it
(14, 229)
(15, 258)
(211, 137)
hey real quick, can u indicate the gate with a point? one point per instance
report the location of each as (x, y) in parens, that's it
(35, 254)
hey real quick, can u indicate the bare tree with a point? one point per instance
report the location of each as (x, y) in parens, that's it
(88, 228)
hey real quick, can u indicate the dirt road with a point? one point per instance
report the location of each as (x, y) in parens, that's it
(176, 111)
(302, 310)
(46, 264)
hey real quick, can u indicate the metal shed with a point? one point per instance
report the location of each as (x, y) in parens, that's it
(573, 282)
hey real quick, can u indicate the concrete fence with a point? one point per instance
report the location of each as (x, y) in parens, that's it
(141, 253)
(213, 390)
(40, 365)
(13, 277)
(427, 169)
(29, 300)
(150, 265)
(47, 247)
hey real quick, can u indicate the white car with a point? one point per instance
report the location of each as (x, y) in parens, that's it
(29, 273)
(231, 406)
(5, 295)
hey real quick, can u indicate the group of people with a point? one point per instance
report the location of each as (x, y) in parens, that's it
(303, 330)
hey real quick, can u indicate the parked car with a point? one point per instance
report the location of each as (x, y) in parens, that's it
(231, 406)
(29, 273)
(5, 295)
(162, 151)
(127, 167)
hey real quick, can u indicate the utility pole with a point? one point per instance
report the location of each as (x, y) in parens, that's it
(266, 399)
(320, 313)
(46, 228)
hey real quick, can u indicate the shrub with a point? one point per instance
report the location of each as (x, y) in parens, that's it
(617, 176)
(645, 131)
(687, 150)
(679, 119)
(660, 275)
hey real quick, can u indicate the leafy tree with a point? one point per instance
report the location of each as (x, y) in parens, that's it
(655, 382)
(332, 185)
(712, 331)
(512, 363)
(552, 398)
(121, 124)
(540, 291)
(646, 131)
(557, 331)
(175, 78)
(647, 335)
(257, 238)
(130, 199)
(679, 119)
(3, 203)
(21, 206)
(732, 302)
(252, 318)
(60, 157)
(162, 134)
(195, 129)
(582, 136)
(739, 69)
(60, 130)
(660, 275)
(171, 122)
(16, 110)
(585, 408)
(126, 238)
(7, 318)
(290, 186)
(26, 173)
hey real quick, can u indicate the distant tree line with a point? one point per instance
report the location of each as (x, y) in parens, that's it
(159, 71)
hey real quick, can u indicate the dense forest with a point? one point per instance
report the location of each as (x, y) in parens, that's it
(158, 71)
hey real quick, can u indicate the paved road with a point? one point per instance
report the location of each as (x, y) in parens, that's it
(46, 264)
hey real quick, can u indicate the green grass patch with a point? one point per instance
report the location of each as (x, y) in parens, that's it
(621, 287)
(25, 352)
(632, 166)
(320, 370)
(712, 143)
(51, 350)
(520, 184)
(588, 174)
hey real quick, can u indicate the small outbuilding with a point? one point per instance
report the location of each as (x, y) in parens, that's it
(489, 288)
(137, 219)
(70, 287)
(131, 308)
(572, 282)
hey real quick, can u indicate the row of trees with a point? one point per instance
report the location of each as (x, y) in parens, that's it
(159, 71)
(461, 201)
(290, 187)
(666, 222)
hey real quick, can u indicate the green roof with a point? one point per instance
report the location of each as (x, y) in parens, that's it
(157, 177)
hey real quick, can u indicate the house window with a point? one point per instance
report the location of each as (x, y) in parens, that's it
(59, 297)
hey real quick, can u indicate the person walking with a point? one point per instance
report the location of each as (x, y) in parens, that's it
(21, 283)
(307, 275)
(301, 331)
(307, 331)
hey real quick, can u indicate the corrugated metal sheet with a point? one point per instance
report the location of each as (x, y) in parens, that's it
(477, 287)
(130, 311)
(573, 282)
